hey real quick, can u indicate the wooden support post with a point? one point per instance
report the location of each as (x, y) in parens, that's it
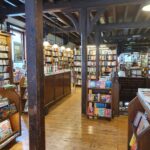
(83, 31)
(35, 73)
(97, 55)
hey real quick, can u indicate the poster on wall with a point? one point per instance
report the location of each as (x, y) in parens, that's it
(18, 52)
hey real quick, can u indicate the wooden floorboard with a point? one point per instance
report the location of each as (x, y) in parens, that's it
(67, 129)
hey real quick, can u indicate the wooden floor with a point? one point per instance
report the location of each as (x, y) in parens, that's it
(67, 129)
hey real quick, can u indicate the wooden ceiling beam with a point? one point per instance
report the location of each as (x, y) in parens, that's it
(131, 25)
(74, 21)
(61, 6)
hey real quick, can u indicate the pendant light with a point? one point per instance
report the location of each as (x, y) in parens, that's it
(62, 48)
(68, 49)
(55, 46)
(146, 7)
(45, 42)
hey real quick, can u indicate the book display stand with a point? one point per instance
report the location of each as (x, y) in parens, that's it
(139, 121)
(10, 119)
(99, 103)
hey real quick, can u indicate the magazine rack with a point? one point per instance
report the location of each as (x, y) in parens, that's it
(138, 105)
(15, 118)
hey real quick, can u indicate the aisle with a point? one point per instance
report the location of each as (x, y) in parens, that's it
(66, 129)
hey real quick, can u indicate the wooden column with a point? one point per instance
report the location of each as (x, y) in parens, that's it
(83, 32)
(35, 73)
(97, 54)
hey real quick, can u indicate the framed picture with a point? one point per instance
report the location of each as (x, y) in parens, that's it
(18, 52)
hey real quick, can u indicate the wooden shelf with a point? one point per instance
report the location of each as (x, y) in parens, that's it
(14, 118)
(98, 88)
(99, 102)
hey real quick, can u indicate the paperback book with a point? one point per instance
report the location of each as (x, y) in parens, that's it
(5, 130)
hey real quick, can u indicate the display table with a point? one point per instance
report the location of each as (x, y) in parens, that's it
(57, 86)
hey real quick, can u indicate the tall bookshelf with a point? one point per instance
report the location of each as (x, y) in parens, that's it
(6, 74)
(108, 59)
(91, 62)
(77, 66)
(149, 65)
(55, 59)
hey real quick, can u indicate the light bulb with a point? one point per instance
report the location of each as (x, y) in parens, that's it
(68, 49)
(55, 46)
(62, 48)
(46, 43)
(146, 7)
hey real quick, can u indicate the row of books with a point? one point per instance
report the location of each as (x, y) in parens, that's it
(3, 55)
(108, 63)
(4, 69)
(102, 84)
(91, 57)
(108, 57)
(92, 52)
(4, 82)
(141, 124)
(91, 69)
(77, 63)
(77, 69)
(4, 76)
(77, 58)
(105, 98)
(3, 48)
(6, 108)
(99, 110)
(108, 52)
(91, 63)
(77, 52)
(4, 62)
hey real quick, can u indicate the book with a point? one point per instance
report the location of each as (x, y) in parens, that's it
(143, 125)
(137, 119)
(90, 109)
(5, 130)
(133, 143)
(92, 84)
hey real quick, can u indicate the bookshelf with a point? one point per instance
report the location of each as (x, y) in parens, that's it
(55, 60)
(77, 67)
(139, 121)
(91, 62)
(100, 101)
(149, 65)
(10, 118)
(107, 59)
(6, 75)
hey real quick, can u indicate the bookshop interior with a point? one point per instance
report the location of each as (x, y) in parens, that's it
(73, 73)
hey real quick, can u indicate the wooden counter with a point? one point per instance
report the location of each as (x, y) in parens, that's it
(57, 86)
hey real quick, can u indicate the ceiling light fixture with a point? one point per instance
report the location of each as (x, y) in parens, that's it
(146, 7)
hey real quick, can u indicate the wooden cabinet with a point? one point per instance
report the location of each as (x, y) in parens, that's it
(56, 87)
